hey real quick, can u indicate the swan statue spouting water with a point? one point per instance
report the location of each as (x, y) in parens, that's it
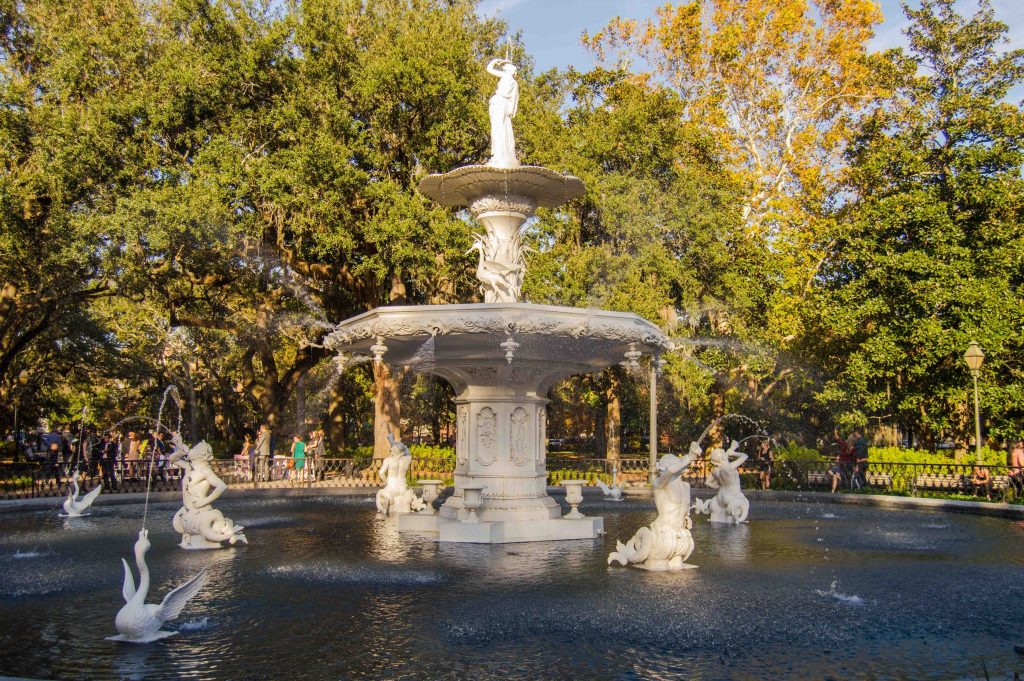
(76, 505)
(138, 621)
(613, 493)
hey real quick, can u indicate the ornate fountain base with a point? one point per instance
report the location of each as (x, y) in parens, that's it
(501, 359)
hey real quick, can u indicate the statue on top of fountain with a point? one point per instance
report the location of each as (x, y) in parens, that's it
(201, 526)
(503, 106)
(667, 542)
(396, 497)
(728, 505)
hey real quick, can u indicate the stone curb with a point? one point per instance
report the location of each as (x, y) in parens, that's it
(994, 510)
(43, 503)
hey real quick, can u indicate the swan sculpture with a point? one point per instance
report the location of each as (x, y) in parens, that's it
(138, 621)
(500, 282)
(76, 505)
(614, 493)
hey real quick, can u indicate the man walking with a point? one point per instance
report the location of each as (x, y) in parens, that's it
(263, 452)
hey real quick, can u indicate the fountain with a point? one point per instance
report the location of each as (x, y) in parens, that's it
(728, 505)
(396, 497)
(139, 622)
(201, 525)
(666, 543)
(76, 504)
(503, 355)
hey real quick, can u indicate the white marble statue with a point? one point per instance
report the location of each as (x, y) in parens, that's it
(396, 497)
(503, 106)
(728, 505)
(612, 493)
(667, 542)
(76, 505)
(138, 621)
(201, 526)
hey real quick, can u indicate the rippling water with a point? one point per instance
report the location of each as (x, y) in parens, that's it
(327, 591)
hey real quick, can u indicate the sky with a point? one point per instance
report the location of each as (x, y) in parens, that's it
(552, 28)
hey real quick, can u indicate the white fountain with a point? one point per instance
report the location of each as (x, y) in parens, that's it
(76, 504)
(141, 622)
(201, 525)
(501, 356)
(666, 543)
(396, 497)
(728, 506)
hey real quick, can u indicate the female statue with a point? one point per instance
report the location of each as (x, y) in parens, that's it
(503, 106)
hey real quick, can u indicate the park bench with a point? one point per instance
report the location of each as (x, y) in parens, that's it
(945, 482)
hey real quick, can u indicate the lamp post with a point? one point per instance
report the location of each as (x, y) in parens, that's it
(974, 357)
(22, 382)
(657, 364)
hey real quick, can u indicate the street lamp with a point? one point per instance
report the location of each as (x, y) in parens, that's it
(22, 382)
(974, 357)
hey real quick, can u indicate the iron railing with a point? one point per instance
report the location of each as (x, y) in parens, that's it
(30, 480)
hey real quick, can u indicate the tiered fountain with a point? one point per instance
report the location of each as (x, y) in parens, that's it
(501, 356)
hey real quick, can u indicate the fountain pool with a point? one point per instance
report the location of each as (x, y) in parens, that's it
(331, 591)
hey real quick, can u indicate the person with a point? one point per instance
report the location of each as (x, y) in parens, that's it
(52, 441)
(767, 460)
(249, 452)
(860, 457)
(263, 451)
(298, 455)
(836, 473)
(503, 105)
(1016, 466)
(319, 452)
(108, 458)
(160, 455)
(981, 480)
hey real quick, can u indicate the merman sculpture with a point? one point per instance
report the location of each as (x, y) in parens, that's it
(728, 505)
(76, 505)
(138, 621)
(201, 526)
(667, 542)
(396, 497)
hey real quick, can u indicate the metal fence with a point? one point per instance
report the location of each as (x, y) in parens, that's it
(29, 480)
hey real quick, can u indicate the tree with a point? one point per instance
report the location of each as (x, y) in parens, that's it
(935, 254)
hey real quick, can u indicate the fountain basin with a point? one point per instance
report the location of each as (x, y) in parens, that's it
(328, 590)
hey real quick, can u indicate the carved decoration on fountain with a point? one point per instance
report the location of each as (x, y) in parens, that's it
(478, 321)
(542, 449)
(517, 435)
(462, 450)
(486, 428)
(503, 203)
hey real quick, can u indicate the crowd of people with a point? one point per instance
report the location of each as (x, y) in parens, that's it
(117, 456)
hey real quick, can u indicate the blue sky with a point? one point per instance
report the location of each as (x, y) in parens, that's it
(552, 28)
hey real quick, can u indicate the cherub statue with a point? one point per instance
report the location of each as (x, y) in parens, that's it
(503, 106)
(729, 505)
(201, 526)
(667, 542)
(396, 497)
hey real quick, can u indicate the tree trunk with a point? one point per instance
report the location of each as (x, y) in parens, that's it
(300, 407)
(387, 409)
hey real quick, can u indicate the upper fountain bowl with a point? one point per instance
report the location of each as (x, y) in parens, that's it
(535, 186)
(463, 342)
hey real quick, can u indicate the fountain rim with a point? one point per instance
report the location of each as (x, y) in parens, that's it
(465, 184)
(490, 318)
